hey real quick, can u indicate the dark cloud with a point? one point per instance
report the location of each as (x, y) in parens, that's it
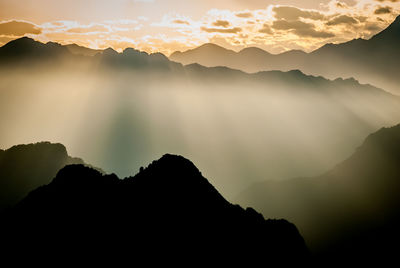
(221, 23)
(301, 29)
(292, 13)
(18, 28)
(219, 30)
(181, 22)
(266, 29)
(244, 15)
(373, 28)
(91, 29)
(341, 5)
(342, 19)
(383, 10)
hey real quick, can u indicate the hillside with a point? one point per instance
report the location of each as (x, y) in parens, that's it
(167, 210)
(350, 211)
(26, 167)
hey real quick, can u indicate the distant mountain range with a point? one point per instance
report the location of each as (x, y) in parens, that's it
(372, 61)
(168, 211)
(350, 212)
(25, 51)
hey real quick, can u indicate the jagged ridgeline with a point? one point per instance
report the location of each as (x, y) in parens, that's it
(372, 61)
(168, 211)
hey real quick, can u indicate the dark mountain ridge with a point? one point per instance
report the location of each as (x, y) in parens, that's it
(350, 211)
(26, 167)
(167, 210)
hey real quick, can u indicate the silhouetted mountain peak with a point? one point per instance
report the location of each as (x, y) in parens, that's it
(168, 206)
(176, 177)
(23, 41)
(27, 48)
(109, 52)
(254, 51)
(132, 51)
(211, 46)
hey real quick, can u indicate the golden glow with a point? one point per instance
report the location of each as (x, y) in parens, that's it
(167, 26)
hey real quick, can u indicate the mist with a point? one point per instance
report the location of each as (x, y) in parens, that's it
(238, 131)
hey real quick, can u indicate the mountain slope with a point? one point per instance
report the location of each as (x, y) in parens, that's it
(167, 210)
(350, 211)
(25, 48)
(25, 167)
(80, 50)
(372, 61)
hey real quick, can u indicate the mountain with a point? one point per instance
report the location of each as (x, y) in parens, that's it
(134, 59)
(24, 51)
(168, 212)
(351, 211)
(231, 122)
(25, 48)
(80, 50)
(26, 167)
(371, 61)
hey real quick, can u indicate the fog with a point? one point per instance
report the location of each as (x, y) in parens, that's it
(235, 132)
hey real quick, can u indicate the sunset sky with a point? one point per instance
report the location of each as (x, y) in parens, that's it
(170, 25)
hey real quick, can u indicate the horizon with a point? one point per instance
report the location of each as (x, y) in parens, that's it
(170, 27)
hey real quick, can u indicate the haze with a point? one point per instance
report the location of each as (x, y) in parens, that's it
(238, 131)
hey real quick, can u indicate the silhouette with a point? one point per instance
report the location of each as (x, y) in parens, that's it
(25, 48)
(168, 212)
(371, 61)
(26, 167)
(351, 212)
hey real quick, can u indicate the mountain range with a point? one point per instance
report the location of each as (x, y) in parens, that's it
(371, 61)
(167, 106)
(349, 212)
(168, 213)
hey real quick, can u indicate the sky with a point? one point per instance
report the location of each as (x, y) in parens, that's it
(174, 25)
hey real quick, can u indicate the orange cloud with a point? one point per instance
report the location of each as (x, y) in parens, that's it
(221, 23)
(224, 31)
(18, 28)
(181, 22)
(91, 29)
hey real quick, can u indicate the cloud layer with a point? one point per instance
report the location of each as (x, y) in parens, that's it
(276, 28)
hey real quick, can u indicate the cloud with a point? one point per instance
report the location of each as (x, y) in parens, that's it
(293, 13)
(244, 15)
(90, 29)
(224, 31)
(221, 23)
(18, 28)
(266, 29)
(181, 22)
(300, 28)
(383, 10)
(342, 19)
